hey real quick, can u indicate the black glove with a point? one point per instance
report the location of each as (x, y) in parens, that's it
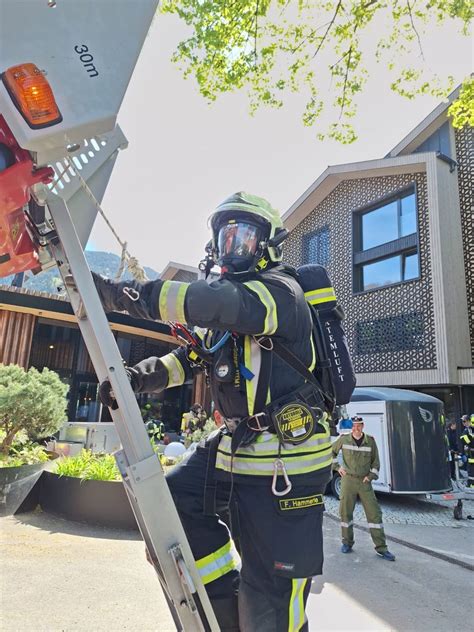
(106, 394)
(109, 291)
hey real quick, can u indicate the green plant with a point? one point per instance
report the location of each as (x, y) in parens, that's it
(22, 452)
(89, 466)
(32, 401)
(322, 51)
(200, 434)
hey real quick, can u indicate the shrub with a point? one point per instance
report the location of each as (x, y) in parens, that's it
(32, 401)
(22, 451)
(89, 466)
(198, 435)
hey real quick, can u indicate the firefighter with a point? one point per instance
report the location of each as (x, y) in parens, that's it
(466, 441)
(274, 487)
(360, 466)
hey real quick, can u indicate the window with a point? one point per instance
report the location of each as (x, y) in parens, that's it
(316, 247)
(390, 270)
(386, 242)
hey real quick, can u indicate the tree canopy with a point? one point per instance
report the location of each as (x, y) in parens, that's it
(32, 401)
(271, 48)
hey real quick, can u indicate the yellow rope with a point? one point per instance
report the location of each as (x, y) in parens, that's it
(134, 267)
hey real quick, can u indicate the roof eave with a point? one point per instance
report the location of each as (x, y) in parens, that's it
(336, 174)
(423, 130)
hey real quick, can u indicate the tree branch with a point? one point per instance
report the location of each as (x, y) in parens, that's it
(415, 30)
(255, 35)
(346, 76)
(333, 19)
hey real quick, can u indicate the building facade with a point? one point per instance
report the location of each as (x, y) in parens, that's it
(397, 237)
(40, 330)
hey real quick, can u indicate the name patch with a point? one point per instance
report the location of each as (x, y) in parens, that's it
(301, 503)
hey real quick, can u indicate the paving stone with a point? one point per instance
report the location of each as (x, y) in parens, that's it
(409, 510)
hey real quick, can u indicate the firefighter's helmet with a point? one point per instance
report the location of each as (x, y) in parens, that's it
(243, 229)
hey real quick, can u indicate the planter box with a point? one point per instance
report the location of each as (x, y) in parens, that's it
(19, 487)
(101, 503)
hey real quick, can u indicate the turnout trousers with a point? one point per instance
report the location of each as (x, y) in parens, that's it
(352, 488)
(279, 540)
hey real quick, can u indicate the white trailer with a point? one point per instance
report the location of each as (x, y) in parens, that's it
(410, 434)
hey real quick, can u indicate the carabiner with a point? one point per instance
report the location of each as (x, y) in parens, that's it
(279, 465)
(132, 293)
(264, 342)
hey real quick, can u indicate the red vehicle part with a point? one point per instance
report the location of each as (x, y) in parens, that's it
(18, 175)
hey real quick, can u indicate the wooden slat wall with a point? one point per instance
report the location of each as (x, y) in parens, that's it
(16, 334)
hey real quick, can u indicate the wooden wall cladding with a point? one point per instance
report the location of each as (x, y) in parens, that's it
(16, 334)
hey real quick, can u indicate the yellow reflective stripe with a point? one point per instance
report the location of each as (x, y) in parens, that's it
(296, 614)
(322, 295)
(171, 301)
(216, 564)
(265, 466)
(162, 301)
(271, 446)
(175, 370)
(200, 332)
(252, 361)
(313, 351)
(180, 317)
(264, 294)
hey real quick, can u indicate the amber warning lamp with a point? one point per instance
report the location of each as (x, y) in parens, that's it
(32, 95)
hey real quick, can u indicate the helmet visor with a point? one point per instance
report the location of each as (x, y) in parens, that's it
(238, 239)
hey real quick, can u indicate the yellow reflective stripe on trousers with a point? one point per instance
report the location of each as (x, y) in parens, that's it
(175, 370)
(296, 614)
(324, 295)
(216, 564)
(264, 294)
(171, 301)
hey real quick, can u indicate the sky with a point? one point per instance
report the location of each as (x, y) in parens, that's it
(186, 156)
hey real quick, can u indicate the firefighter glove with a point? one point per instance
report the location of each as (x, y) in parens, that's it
(106, 393)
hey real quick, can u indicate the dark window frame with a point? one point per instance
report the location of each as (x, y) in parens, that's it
(402, 246)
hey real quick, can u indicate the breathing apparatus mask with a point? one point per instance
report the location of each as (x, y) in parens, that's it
(247, 234)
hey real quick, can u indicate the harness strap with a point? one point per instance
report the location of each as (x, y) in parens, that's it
(210, 483)
(263, 378)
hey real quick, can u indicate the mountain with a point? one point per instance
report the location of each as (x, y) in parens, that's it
(106, 263)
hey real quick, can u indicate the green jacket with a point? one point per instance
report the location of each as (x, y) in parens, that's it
(359, 462)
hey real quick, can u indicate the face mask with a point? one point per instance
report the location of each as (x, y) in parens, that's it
(238, 239)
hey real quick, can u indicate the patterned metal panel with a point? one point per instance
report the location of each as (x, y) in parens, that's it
(407, 298)
(395, 333)
(465, 158)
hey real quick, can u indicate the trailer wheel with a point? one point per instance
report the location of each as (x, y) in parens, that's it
(336, 486)
(457, 511)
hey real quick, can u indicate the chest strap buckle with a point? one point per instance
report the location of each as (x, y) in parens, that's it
(258, 427)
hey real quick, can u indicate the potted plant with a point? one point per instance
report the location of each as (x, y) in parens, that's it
(32, 405)
(87, 488)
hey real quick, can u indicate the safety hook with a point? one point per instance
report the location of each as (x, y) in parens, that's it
(132, 293)
(279, 465)
(264, 342)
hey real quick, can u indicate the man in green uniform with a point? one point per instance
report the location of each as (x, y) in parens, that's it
(360, 466)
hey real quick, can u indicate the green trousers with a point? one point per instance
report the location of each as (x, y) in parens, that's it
(351, 488)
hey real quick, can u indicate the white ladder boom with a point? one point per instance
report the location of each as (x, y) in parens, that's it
(140, 467)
